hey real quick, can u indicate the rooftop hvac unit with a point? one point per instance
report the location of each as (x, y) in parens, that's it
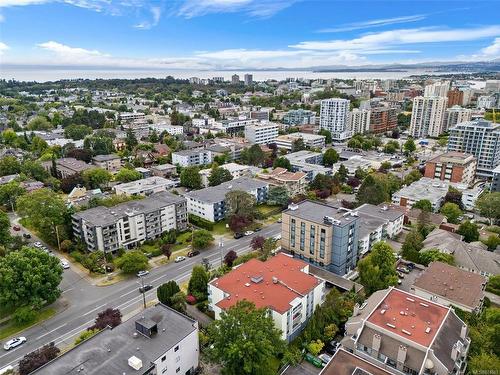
(135, 363)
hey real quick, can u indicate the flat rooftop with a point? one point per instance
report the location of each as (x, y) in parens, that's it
(452, 157)
(215, 194)
(454, 284)
(107, 353)
(425, 188)
(345, 363)
(316, 212)
(253, 281)
(144, 184)
(411, 317)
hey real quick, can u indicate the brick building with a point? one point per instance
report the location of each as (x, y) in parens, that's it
(452, 166)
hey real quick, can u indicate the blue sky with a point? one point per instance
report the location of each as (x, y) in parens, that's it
(240, 34)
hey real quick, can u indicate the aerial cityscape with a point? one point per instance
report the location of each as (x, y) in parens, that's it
(249, 187)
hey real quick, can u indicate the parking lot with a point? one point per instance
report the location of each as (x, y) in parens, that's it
(409, 279)
(304, 368)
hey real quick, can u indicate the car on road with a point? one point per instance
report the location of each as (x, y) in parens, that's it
(325, 358)
(64, 264)
(193, 253)
(145, 288)
(37, 244)
(27, 236)
(248, 232)
(179, 259)
(279, 221)
(142, 273)
(16, 227)
(403, 269)
(238, 235)
(258, 229)
(14, 343)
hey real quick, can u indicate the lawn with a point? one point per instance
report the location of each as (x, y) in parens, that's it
(12, 328)
(182, 241)
(220, 228)
(267, 210)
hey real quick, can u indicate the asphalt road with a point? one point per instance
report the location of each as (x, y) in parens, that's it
(86, 301)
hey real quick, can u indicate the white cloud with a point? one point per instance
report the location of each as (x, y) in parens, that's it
(493, 49)
(385, 39)
(254, 8)
(67, 51)
(3, 47)
(2, 18)
(374, 23)
(11, 3)
(156, 15)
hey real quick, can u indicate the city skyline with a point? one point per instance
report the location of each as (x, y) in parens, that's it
(243, 34)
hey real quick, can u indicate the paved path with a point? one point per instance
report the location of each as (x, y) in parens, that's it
(493, 298)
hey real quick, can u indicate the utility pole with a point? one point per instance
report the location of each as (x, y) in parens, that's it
(57, 235)
(221, 247)
(143, 292)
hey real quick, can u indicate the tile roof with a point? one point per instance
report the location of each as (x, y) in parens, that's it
(452, 283)
(291, 283)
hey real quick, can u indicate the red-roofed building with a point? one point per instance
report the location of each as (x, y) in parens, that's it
(406, 334)
(281, 284)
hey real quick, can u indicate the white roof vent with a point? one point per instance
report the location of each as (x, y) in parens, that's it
(135, 363)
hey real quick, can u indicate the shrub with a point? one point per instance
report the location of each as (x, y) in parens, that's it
(202, 306)
(24, 315)
(191, 299)
(86, 335)
(245, 258)
(200, 222)
(37, 358)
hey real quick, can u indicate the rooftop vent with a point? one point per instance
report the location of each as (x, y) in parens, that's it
(424, 304)
(247, 284)
(390, 325)
(293, 207)
(428, 330)
(410, 299)
(275, 280)
(135, 363)
(406, 332)
(257, 279)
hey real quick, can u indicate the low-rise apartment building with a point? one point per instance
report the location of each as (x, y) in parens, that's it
(294, 182)
(433, 190)
(129, 224)
(158, 340)
(406, 334)
(456, 167)
(451, 286)
(261, 134)
(281, 284)
(111, 163)
(236, 170)
(210, 203)
(187, 158)
(322, 235)
(308, 162)
(164, 170)
(310, 140)
(300, 116)
(66, 167)
(145, 186)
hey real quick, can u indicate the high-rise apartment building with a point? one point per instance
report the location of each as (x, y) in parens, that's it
(235, 79)
(455, 115)
(383, 119)
(359, 120)
(480, 138)
(248, 79)
(333, 117)
(427, 116)
(437, 89)
(455, 97)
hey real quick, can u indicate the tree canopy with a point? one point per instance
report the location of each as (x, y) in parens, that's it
(191, 178)
(202, 239)
(469, 231)
(132, 262)
(330, 157)
(489, 206)
(218, 175)
(377, 270)
(127, 175)
(452, 212)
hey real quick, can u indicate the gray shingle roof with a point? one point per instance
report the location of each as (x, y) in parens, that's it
(215, 194)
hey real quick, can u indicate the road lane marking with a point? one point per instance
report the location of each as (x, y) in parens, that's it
(98, 307)
(55, 329)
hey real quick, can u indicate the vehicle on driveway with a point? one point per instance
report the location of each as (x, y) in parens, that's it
(64, 264)
(27, 236)
(14, 343)
(238, 235)
(332, 347)
(258, 229)
(325, 358)
(37, 244)
(145, 288)
(142, 273)
(248, 232)
(193, 253)
(180, 259)
(16, 227)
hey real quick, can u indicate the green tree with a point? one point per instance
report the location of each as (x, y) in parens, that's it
(452, 212)
(44, 210)
(130, 140)
(330, 157)
(96, 177)
(191, 178)
(327, 134)
(268, 247)
(489, 206)
(9, 193)
(298, 145)
(39, 123)
(435, 255)
(77, 132)
(178, 302)
(132, 262)
(411, 177)
(198, 283)
(321, 182)
(372, 191)
(278, 195)
(9, 165)
(202, 239)
(99, 144)
(38, 146)
(29, 277)
(166, 291)
(483, 363)
(377, 271)
(4, 228)
(253, 155)
(409, 146)
(315, 347)
(391, 147)
(240, 203)
(245, 340)
(127, 175)
(87, 334)
(282, 163)
(342, 173)
(34, 170)
(469, 231)
(492, 242)
(412, 245)
(424, 205)
(218, 175)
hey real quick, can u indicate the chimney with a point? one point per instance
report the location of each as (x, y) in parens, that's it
(455, 352)
(463, 332)
(356, 310)
(402, 354)
(376, 342)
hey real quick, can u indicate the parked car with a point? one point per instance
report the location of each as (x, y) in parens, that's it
(279, 221)
(193, 253)
(142, 273)
(27, 236)
(179, 259)
(331, 347)
(238, 235)
(145, 288)
(64, 264)
(37, 244)
(410, 266)
(403, 269)
(400, 274)
(17, 228)
(400, 281)
(14, 343)
(248, 232)
(325, 358)
(258, 229)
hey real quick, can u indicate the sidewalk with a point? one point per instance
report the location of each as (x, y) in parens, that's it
(495, 300)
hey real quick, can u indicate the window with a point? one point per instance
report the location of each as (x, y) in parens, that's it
(163, 358)
(176, 348)
(178, 369)
(312, 236)
(178, 359)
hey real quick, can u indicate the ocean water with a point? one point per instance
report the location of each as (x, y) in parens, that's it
(44, 74)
